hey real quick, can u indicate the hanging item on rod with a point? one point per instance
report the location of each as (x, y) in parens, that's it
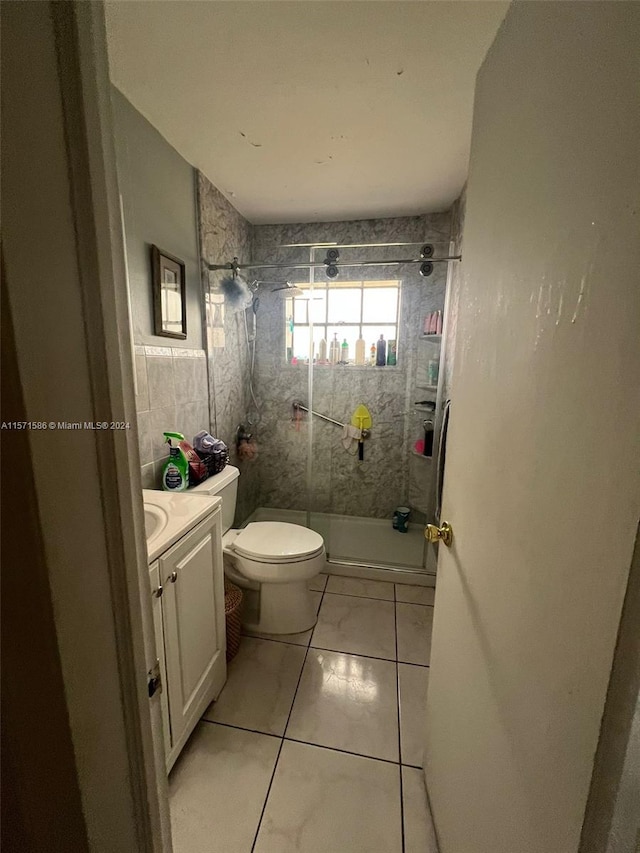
(362, 420)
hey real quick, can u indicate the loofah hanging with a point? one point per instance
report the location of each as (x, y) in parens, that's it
(237, 293)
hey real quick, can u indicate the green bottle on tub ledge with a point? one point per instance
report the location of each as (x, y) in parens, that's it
(175, 474)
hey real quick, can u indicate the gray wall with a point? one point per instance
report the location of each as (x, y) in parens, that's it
(159, 201)
(390, 474)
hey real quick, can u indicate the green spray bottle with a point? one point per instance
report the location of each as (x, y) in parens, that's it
(175, 474)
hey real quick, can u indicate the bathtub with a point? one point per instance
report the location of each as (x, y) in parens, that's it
(363, 547)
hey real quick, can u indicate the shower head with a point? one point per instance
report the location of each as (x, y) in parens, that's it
(287, 290)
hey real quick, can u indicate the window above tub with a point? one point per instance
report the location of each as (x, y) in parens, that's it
(346, 309)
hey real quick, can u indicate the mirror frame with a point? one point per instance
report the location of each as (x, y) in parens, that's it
(157, 256)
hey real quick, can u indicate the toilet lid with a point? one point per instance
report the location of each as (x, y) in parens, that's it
(277, 541)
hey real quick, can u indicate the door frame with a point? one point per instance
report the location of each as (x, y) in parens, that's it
(65, 278)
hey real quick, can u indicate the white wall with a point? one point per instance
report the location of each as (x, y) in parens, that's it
(542, 483)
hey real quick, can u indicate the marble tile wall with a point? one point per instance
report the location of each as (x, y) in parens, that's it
(172, 396)
(225, 234)
(390, 474)
(457, 228)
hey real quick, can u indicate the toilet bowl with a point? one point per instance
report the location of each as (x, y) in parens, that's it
(271, 561)
(281, 558)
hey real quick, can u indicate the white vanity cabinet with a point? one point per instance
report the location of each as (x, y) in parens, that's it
(189, 628)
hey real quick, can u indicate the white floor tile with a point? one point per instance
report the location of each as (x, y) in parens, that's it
(362, 626)
(261, 684)
(301, 639)
(318, 583)
(415, 594)
(347, 702)
(413, 711)
(419, 834)
(414, 623)
(316, 595)
(361, 587)
(218, 787)
(329, 802)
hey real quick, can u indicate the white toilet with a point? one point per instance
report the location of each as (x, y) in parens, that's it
(271, 560)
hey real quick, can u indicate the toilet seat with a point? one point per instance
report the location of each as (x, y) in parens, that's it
(277, 542)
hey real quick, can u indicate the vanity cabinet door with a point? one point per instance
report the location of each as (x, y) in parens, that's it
(194, 626)
(157, 592)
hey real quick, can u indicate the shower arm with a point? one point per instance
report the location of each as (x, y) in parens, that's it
(297, 406)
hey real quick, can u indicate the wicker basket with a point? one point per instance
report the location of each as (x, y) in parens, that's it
(232, 602)
(214, 462)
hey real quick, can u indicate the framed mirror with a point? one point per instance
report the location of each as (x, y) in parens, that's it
(169, 299)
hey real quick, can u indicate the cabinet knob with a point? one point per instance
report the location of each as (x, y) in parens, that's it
(173, 577)
(157, 593)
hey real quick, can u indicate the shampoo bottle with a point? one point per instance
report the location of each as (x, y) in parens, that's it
(392, 353)
(175, 474)
(334, 349)
(360, 345)
(433, 369)
(381, 352)
(322, 351)
(344, 352)
(372, 354)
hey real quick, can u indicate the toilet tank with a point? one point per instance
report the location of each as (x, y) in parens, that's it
(225, 486)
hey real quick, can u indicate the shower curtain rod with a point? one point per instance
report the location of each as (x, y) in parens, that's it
(339, 264)
(349, 245)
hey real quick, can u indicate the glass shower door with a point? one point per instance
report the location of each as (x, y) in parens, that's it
(352, 501)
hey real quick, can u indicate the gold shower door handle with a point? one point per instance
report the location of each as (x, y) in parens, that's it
(444, 534)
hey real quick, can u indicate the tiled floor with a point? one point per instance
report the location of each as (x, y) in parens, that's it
(315, 742)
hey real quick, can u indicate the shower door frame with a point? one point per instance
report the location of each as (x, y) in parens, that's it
(426, 573)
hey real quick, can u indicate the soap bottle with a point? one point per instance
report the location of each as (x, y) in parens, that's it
(344, 352)
(381, 352)
(372, 354)
(334, 349)
(322, 351)
(433, 369)
(360, 345)
(175, 474)
(392, 353)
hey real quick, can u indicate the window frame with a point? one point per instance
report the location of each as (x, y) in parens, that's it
(362, 285)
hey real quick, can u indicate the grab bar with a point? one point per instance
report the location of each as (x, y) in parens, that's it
(297, 406)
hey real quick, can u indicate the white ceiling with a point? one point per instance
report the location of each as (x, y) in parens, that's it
(302, 111)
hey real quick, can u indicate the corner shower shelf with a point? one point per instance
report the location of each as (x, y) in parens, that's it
(421, 455)
(427, 387)
(435, 338)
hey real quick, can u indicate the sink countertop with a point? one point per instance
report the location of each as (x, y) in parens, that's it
(182, 510)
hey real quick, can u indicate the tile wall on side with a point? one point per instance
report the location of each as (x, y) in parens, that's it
(172, 396)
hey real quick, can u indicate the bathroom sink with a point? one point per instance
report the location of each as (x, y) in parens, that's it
(169, 515)
(155, 520)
